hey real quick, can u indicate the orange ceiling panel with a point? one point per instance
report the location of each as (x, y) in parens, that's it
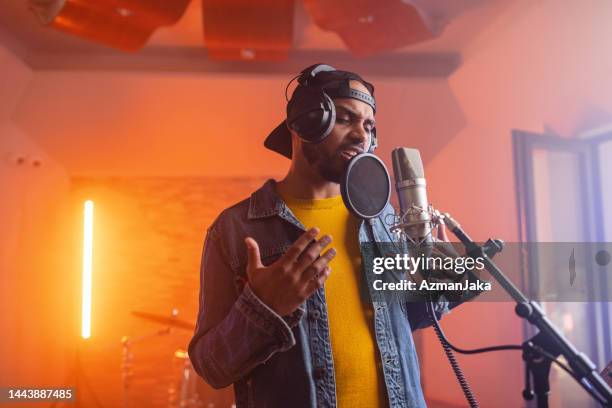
(246, 29)
(368, 27)
(123, 24)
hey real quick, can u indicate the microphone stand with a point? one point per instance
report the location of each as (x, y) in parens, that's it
(548, 344)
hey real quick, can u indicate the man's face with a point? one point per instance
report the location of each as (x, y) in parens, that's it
(350, 136)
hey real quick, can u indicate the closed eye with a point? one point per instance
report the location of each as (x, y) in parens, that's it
(346, 116)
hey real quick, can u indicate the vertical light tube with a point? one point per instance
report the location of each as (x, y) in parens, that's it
(87, 266)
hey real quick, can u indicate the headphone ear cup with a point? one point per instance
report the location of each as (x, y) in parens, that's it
(312, 115)
(327, 122)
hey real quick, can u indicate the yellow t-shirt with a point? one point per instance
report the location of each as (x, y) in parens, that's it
(359, 380)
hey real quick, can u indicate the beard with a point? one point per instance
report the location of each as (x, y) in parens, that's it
(330, 166)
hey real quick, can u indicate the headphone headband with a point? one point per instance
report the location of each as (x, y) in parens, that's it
(336, 87)
(311, 72)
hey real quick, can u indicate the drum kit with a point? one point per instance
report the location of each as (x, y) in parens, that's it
(187, 394)
(190, 387)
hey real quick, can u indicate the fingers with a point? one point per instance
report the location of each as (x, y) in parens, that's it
(299, 245)
(254, 258)
(323, 276)
(317, 281)
(442, 236)
(316, 269)
(311, 254)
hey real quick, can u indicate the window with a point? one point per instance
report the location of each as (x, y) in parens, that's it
(564, 194)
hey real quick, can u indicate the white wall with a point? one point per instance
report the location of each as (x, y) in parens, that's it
(541, 64)
(32, 299)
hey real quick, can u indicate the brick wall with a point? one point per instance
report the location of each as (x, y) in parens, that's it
(148, 236)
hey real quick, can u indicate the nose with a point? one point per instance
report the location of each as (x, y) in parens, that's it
(360, 135)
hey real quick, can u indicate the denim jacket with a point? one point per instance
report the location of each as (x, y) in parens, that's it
(276, 361)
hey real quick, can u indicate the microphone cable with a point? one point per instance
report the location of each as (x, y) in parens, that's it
(448, 350)
(449, 347)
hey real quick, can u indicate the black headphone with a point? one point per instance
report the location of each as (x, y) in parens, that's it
(311, 111)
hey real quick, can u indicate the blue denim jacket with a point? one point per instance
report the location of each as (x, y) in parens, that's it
(277, 361)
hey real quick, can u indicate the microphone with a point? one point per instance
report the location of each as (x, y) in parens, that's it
(415, 218)
(418, 219)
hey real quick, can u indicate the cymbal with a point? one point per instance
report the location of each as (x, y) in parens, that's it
(167, 320)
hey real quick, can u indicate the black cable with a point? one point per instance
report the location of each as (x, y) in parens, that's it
(501, 348)
(287, 87)
(446, 344)
(465, 386)
(552, 358)
(545, 354)
(473, 351)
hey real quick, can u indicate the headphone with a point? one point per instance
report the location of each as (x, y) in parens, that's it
(311, 111)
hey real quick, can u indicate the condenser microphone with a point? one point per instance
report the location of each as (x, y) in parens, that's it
(415, 218)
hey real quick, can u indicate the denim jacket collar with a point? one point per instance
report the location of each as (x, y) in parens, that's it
(265, 202)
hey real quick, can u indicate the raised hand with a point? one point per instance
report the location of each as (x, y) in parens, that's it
(287, 283)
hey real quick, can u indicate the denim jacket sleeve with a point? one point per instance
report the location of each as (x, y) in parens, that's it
(235, 331)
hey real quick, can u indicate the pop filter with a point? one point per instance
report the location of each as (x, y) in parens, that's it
(366, 186)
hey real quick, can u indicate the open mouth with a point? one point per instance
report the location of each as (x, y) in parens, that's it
(350, 153)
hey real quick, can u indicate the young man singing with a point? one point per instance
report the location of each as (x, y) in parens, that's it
(281, 315)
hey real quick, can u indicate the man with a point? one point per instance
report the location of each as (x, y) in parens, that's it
(280, 314)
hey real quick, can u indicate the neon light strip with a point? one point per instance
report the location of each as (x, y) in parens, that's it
(87, 258)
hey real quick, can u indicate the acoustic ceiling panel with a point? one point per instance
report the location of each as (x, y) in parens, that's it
(373, 26)
(246, 29)
(123, 24)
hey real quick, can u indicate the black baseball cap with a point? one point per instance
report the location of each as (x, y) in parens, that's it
(335, 83)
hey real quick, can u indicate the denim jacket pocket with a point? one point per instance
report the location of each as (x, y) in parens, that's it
(269, 255)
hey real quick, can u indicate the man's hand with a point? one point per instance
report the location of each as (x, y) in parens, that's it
(287, 283)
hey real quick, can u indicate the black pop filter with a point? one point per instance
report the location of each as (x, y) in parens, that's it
(366, 186)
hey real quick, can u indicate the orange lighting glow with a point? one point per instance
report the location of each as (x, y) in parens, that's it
(87, 260)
